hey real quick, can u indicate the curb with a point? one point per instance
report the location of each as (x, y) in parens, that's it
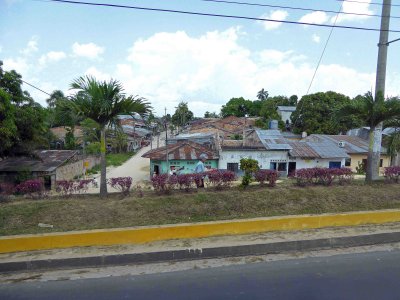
(202, 253)
(145, 234)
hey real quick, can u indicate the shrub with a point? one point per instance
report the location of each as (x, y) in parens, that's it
(392, 174)
(323, 176)
(123, 184)
(34, 188)
(69, 187)
(249, 166)
(185, 181)
(220, 179)
(6, 190)
(270, 176)
(160, 182)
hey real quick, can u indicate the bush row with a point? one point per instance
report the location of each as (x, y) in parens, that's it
(392, 174)
(217, 178)
(269, 176)
(324, 176)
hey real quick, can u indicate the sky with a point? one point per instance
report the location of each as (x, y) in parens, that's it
(168, 58)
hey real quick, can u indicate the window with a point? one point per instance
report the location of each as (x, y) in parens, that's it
(347, 162)
(381, 163)
(282, 167)
(234, 167)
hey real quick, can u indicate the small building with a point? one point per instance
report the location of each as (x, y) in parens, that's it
(50, 165)
(357, 149)
(60, 133)
(182, 157)
(286, 112)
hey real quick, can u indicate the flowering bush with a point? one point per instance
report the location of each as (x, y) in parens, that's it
(392, 174)
(185, 181)
(123, 184)
(69, 187)
(270, 176)
(34, 188)
(160, 182)
(323, 176)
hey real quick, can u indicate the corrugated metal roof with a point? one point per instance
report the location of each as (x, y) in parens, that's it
(45, 161)
(273, 140)
(185, 150)
(352, 144)
(287, 108)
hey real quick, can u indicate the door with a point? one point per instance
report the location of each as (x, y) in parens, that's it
(334, 165)
(292, 168)
(156, 170)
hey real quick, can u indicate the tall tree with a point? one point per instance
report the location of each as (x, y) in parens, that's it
(372, 112)
(8, 129)
(262, 95)
(208, 114)
(103, 102)
(316, 113)
(182, 114)
(54, 96)
(238, 107)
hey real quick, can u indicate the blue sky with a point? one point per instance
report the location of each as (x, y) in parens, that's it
(204, 61)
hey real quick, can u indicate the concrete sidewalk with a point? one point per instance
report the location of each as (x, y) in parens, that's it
(211, 247)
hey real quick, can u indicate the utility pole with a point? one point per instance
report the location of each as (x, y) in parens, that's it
(376, 135)
(166, 139)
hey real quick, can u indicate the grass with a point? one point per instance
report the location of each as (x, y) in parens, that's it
(89, 212)
(112, 159)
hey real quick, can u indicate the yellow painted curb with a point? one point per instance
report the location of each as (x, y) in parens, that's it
(140, 235)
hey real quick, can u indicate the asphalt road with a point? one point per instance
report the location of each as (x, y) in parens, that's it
(364, 276)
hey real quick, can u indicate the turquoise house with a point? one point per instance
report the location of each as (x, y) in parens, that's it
(182, 157)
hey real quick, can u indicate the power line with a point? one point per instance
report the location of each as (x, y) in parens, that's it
(35, 87)
(363, 2)
(294, 8)
(218, 15)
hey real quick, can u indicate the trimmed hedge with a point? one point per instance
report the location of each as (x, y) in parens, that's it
(324, 176)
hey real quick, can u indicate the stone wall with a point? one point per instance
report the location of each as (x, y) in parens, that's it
(70, 170)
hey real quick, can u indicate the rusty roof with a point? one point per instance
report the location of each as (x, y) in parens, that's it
(184, 150)
(44, 161)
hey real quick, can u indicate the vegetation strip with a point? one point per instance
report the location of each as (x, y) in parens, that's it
(187, 231)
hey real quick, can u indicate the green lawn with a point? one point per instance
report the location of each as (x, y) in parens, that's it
(90, 212)
(113, 159)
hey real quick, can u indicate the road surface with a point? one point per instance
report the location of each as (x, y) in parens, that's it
(373, 275)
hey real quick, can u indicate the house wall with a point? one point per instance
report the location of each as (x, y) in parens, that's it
(69, 171)
(313, 163)
(264, 158)
(285, 115)
(357, 158)
(189, 165)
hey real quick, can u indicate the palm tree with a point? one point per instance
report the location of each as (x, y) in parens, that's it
(262, 95)
(103, 102)
(372, 112)
(54, 97)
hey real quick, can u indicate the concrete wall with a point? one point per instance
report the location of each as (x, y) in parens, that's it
(357, 158)
(264, 158)
(70, 170)
(189, 165)
(285, 115)
(313, 163)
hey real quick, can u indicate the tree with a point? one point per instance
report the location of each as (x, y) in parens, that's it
(249, 166)
(102, 102)
(209, 115)
(54, 97)
(262, 95)
(238, 107)
(8, 129)
(372, 112)
(182, 115)
(317, 113)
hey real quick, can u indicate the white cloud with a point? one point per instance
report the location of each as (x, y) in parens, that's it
(90, 50)
(18, 64)
(352, 7)
(316, 38)
(93, 71)
(52, 56)
(280, 15)
(316, 17)
(31, 47)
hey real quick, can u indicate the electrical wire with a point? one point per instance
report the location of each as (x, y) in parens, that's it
(217, 15)
(35, 87)
(294, 8)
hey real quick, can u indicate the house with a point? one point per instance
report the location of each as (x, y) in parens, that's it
(268, 147)
(182, 157)
(50, 165)
(60, 133)
(286, 112)
(137, 137)
(357, 148)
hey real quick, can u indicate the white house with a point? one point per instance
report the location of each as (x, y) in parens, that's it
(285, 112)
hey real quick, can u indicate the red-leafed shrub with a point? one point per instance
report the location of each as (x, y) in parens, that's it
(220, 179)
(392, 174)
(69, 187)
(160, 182)
(123, 184)
(323, 176)
(6, 190)
(270, 176)
(185, 181)
(33, 188)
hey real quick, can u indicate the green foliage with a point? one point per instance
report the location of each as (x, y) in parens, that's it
(208, 115)
(8, 129)
(93, 148)
(182, 115)
(91, 130)
(393, 146)
(360, 168)
(262, 95)
(249, 166)
(238, 107)
(237, 137)
(70, 141)
(318, 113)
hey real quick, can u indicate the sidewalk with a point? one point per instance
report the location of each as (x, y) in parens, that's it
(211, 247)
